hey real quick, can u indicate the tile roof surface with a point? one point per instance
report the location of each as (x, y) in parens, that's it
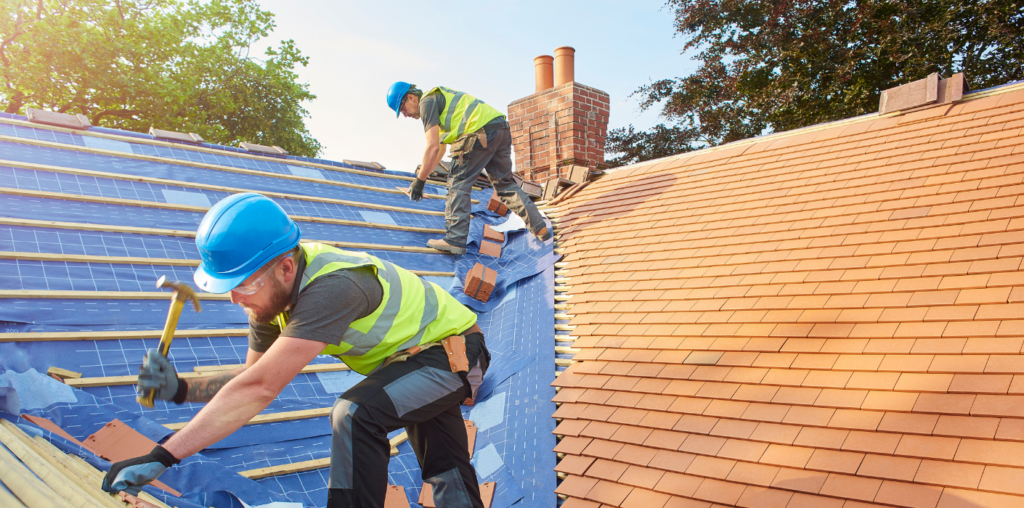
(831, 317)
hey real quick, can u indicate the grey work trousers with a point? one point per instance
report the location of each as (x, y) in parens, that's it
(497, 159)
(422, 395)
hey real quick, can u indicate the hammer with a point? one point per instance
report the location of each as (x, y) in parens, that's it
(182, 293)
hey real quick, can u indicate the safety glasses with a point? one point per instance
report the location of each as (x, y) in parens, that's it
(254, 286)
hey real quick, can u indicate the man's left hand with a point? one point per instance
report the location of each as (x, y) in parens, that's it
(132, 474)
(416, 189)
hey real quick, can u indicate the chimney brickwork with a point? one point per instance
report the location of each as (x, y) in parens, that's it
(564, 125)
(577, 113)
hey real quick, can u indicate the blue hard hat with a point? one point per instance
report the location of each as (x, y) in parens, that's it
(237, 236)
(395, 95)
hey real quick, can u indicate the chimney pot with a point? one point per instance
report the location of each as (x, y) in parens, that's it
(564, 65)
(543, 74)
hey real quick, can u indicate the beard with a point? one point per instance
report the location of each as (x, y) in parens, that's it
(280, 298)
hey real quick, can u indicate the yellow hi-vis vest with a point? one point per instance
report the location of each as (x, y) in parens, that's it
(412, 311)
(462, 113)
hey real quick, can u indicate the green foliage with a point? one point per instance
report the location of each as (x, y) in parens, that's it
(132, 64)
(770, 66)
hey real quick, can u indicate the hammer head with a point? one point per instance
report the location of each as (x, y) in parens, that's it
(182, 292)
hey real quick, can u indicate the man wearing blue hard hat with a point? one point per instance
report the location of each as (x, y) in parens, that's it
(420, 349)
(479, 138)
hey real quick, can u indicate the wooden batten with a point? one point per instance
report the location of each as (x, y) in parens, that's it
(102, 295)
(88, 382)
(121, 335)
(283, 416)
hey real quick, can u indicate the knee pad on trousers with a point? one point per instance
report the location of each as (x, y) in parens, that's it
(342, 415)
(343, 419)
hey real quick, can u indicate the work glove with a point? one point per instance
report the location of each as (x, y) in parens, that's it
(416, 189)
(158, 374)
(132, 474)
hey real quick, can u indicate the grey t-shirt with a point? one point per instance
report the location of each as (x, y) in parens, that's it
(431, 107)
(324, 309)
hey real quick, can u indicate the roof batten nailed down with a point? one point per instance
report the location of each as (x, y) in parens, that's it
(819, 318)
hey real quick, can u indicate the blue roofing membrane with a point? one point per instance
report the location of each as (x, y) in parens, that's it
(88, 191)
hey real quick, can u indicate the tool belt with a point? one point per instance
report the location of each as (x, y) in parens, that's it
(465, 143)
(455, 348)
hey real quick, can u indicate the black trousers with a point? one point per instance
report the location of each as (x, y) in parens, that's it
(422, 395)
(497, 159)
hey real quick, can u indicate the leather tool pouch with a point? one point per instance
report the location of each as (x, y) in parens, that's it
(455, 347)
(464, 144)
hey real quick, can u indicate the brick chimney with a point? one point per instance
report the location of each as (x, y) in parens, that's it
(562, 124)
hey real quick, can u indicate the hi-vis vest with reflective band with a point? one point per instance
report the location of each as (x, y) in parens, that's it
(412, 311)
(462, 113)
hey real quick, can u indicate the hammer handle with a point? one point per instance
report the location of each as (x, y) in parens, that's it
(172, 323)
(165, 344)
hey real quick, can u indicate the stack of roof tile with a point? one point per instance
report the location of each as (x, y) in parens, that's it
(831, 317)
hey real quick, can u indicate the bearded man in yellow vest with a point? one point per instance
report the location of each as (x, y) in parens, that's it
(309, 299)
(479, 138)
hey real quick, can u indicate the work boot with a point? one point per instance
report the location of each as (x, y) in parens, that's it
(543, 234)
(443, 246)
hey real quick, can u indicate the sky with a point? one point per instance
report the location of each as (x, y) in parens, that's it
(357, 49)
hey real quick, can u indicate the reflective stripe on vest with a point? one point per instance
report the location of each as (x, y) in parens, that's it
(412, 312)
(466, 112)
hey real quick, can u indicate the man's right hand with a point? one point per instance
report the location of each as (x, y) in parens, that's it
(133, 474)
(158, 374)
(416, 189)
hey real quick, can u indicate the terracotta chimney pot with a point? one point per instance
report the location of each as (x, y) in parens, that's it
(543, 74)
(564, 65)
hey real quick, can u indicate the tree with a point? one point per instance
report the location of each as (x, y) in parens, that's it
(132, 64)
(770, 66)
